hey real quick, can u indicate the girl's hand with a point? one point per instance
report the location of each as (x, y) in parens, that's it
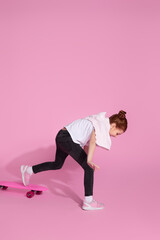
(93, 165)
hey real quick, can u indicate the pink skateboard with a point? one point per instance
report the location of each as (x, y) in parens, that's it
(34, 189)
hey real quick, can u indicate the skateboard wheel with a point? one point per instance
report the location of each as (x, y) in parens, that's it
(4, 187)
(38, 192)
(30, 194)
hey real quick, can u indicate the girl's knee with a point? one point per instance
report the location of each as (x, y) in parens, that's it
(88, 168)
(57, 166)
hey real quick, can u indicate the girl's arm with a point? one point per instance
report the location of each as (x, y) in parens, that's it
(92, 140)
(86, 149)
(92, 146)
(91, 149)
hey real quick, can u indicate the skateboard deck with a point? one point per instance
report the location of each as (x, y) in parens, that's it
(34, 189)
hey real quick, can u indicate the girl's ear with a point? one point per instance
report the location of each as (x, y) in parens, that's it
(113, 125)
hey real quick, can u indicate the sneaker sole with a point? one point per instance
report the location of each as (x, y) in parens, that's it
(91, 208)
(22, 171)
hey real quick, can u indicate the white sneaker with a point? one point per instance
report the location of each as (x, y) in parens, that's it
(94, 205)
(25, 175)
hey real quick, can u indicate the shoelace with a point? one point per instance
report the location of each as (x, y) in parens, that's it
(92, 201)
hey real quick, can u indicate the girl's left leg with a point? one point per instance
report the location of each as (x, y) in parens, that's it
(80, 156)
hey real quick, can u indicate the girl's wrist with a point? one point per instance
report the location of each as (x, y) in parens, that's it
(89, 160)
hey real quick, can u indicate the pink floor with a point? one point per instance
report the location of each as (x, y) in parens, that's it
(130, 194)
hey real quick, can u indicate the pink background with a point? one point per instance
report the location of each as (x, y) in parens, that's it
(64, 60)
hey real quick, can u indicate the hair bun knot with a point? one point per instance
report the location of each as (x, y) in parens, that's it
(121, 114)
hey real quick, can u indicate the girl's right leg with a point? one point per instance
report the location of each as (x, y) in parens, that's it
(27, 171)
(60, 157)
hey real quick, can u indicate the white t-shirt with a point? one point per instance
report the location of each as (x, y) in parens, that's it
(80, 131)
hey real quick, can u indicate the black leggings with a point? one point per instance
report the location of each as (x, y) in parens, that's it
(65, 147)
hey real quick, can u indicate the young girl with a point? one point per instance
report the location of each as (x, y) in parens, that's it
(79, 139)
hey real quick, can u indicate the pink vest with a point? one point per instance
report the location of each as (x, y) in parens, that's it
(102, 127)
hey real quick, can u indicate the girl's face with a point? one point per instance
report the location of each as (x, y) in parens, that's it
(114, 132)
